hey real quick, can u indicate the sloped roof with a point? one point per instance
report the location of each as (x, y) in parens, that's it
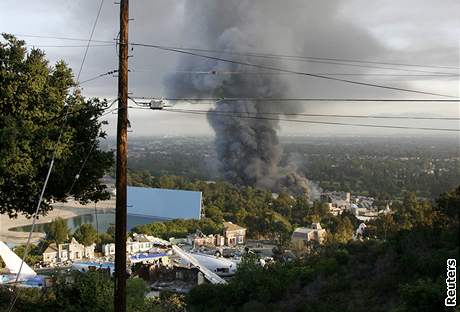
(51, 248)
(229, 226)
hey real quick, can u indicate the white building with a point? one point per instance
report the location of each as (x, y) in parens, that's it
(69, 251)
(139, 243)
(303, 236)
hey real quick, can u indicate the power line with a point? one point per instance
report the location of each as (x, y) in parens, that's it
(261, 99)
(80, 110)
(331, 61)
(109, 112)
(288, 70)
(61, 38)
(299, 57)
(77, 176)
(71, 46)
(271, 55)
(315, 73)
(99, 76)
(26, 249)
(89, 41)
(219, 113)
(330, 115)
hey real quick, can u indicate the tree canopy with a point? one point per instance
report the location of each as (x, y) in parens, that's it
(57, 231)
(86, 234)
(401, 269)
(35, 98)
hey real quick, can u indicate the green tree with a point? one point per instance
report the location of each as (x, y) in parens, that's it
(111, 230)
(300, 210)
(91, 291)
(34, 98)
(136, 289)
(279, 228)
(86, 234)
(449, 203)
(283, 205)
(215, 214)
(157, 229)
(344, 231)
(413, 212)
(57, 231)
(423, 296)
(33, 255)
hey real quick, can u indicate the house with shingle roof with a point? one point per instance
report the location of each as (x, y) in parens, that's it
(234, 234)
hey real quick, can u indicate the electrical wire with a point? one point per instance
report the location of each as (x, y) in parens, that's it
(89, 41)
(61, 38)
(231, 114)
(274, 68)
(240, 115)
(309, 58)
(271, 55)
(335, 115)
(77, 176)
(312, 59)
(70, 46)
(261, 99)
(37, 209)
(99, 76)
(213, 72)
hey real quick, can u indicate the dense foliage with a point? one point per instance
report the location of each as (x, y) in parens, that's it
(86, 234)
(34, 100)
(89, 292)
(57, 231)
(400, 266)
(383, 167)
(405, 272)
(264, 215)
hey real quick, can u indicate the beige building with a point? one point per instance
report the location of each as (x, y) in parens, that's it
(50, 255)
(199, 239)
(234, 234)
(69, 251)
(140, 244)
(303, 237)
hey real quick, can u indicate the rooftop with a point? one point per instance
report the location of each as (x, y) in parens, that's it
(229, 226)
(51, 248)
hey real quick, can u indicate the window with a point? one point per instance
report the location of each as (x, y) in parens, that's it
(222, 270)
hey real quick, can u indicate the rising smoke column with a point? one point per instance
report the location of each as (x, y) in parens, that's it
(248, 149)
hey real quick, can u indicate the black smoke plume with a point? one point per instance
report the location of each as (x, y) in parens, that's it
(248, 149)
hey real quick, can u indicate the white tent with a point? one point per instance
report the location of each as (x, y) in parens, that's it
(13, 263)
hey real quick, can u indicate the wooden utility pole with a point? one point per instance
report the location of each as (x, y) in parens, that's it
(122, 154)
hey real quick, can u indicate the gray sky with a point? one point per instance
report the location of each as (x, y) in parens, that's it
(409, 31)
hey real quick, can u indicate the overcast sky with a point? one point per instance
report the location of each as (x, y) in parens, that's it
(401, 31)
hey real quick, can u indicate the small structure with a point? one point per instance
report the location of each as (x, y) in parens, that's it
(131, 247)
(339, 200)
(234, 234)
(304, 237)
(50, 255)
(69, 251)
(198, 239)
(360, 231)
(138, 244)
(156, 259)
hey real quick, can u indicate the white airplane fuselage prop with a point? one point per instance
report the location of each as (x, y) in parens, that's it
(27, 277)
